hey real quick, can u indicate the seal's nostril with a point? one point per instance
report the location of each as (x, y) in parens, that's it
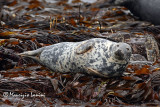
(119, 53)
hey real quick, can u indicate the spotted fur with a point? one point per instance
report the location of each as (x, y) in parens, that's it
(94, 56)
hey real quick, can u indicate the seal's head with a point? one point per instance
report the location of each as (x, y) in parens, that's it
(122, 52)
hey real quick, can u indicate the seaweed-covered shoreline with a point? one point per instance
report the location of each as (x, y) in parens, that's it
(30, 24)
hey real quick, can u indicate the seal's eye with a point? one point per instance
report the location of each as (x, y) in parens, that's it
(117, 45)
(127, 49)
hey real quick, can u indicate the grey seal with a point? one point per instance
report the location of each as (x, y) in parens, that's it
(96, 56)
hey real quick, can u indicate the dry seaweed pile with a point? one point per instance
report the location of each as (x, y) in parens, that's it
(31, 24)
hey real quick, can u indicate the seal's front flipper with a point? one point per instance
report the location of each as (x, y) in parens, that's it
(85, 47)
(94, 72)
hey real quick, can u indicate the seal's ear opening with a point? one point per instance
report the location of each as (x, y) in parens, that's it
(85, 47)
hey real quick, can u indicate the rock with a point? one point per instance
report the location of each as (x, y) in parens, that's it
(147, 10)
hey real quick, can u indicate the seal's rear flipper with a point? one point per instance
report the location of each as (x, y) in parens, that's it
(32, 53)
